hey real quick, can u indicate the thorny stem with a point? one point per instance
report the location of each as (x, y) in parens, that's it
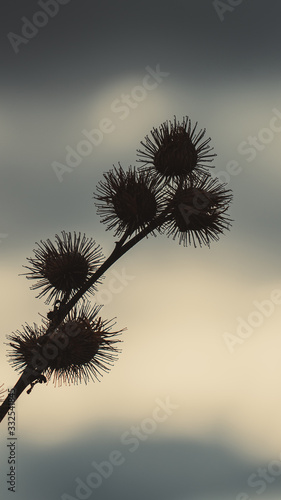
(31, 375)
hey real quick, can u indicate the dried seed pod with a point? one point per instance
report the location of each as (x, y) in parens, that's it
(128, 200)
(175, 152)
(198, 211)
(80, 349)
(64, 268)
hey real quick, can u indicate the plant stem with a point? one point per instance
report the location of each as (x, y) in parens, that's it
(118, 252)
(27, 377)
(30, 375)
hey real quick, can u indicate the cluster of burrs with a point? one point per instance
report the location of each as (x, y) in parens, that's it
(172, 192)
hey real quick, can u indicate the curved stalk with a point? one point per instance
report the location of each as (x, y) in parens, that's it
(31, 374)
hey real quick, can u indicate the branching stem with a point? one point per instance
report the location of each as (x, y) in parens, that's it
(30, 375)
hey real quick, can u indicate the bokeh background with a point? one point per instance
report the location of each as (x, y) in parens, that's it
(222, 65)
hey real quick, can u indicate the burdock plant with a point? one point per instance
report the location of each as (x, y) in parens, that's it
(172, 193)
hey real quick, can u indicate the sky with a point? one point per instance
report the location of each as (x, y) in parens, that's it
(202, 334)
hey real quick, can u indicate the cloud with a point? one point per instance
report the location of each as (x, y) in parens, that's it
(163, 468)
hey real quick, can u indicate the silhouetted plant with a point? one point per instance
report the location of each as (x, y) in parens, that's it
(80, 348)
(61, 271)
(171, 193)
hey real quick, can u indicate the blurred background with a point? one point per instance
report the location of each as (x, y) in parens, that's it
(202, 324)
